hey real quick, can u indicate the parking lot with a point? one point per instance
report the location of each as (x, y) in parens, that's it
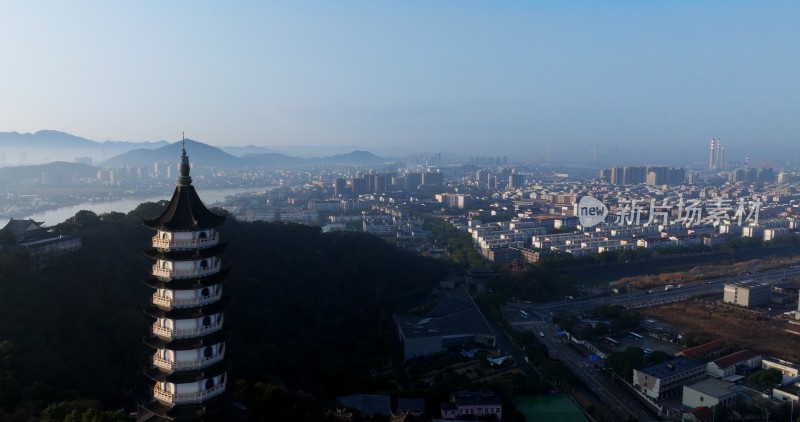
(651, 343)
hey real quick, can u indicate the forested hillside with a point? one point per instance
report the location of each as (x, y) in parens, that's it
(310, 312)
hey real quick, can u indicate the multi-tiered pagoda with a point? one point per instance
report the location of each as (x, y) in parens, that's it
(188, 365)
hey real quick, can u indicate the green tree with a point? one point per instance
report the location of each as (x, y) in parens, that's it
(658, 356)
(86, 218)
(7, 238)
(766, 377)
(10, 387)
(623, 363)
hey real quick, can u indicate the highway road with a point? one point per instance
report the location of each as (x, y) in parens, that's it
(616, 398)
(656, 296)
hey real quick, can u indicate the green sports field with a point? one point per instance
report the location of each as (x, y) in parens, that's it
(548, 408)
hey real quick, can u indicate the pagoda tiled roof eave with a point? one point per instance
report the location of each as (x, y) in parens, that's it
(186, 254)
(188, 283)
(188, 343)
(186, 212)
(184, 411)
(180, 377)
(189, 312)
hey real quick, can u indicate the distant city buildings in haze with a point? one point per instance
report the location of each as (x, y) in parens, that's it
(651, 175)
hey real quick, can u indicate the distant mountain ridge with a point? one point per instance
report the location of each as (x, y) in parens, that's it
(47, 145)
(205, 155)
(51, 145)
(199, 153)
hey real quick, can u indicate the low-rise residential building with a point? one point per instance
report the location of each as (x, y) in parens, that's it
(472, 404)
(747, 293)
(654, 242)
(789, 393)
(770, 234)
(683, 241)
(753, 231)
(703, 352)
(665, 379)
(787, 368)
(709, 392)
(743, 360)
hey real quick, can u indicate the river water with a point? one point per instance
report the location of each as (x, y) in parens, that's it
(59, 215)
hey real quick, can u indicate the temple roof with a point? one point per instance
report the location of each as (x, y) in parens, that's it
(25, 229)
(185, 212)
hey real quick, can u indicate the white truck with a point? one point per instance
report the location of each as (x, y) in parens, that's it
(669, 287)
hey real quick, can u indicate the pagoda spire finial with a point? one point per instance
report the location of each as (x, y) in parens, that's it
(183, 166)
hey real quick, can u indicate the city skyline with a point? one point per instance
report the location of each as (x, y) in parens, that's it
(651, 81)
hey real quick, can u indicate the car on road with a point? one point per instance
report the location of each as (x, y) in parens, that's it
(541, 333)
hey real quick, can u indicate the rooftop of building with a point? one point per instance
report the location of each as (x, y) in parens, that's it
(467, 398)
(457, 314)
(749, 284)
(671, 367)
(702, 413)
(24, 229)
(734, 358)
(792, 389)
(712, 387)
(700, 351)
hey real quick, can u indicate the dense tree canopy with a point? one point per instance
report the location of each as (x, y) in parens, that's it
(766, 378)
(309, 311)
(623, 363)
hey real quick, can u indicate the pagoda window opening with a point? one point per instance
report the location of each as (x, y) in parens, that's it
(205, 293)
(210, 384)
(202, 236)
(208, 352)
(207, 321)
(204, 264)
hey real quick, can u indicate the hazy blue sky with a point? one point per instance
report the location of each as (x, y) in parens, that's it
(657, 79)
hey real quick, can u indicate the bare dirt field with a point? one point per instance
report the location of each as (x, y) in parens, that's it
(745, 330)
(596, 275)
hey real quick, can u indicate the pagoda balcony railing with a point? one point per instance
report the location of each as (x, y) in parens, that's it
(189, 332)
(177, 398)
(195, 364)
(201, 272)
(167, 302)
(185, 243)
